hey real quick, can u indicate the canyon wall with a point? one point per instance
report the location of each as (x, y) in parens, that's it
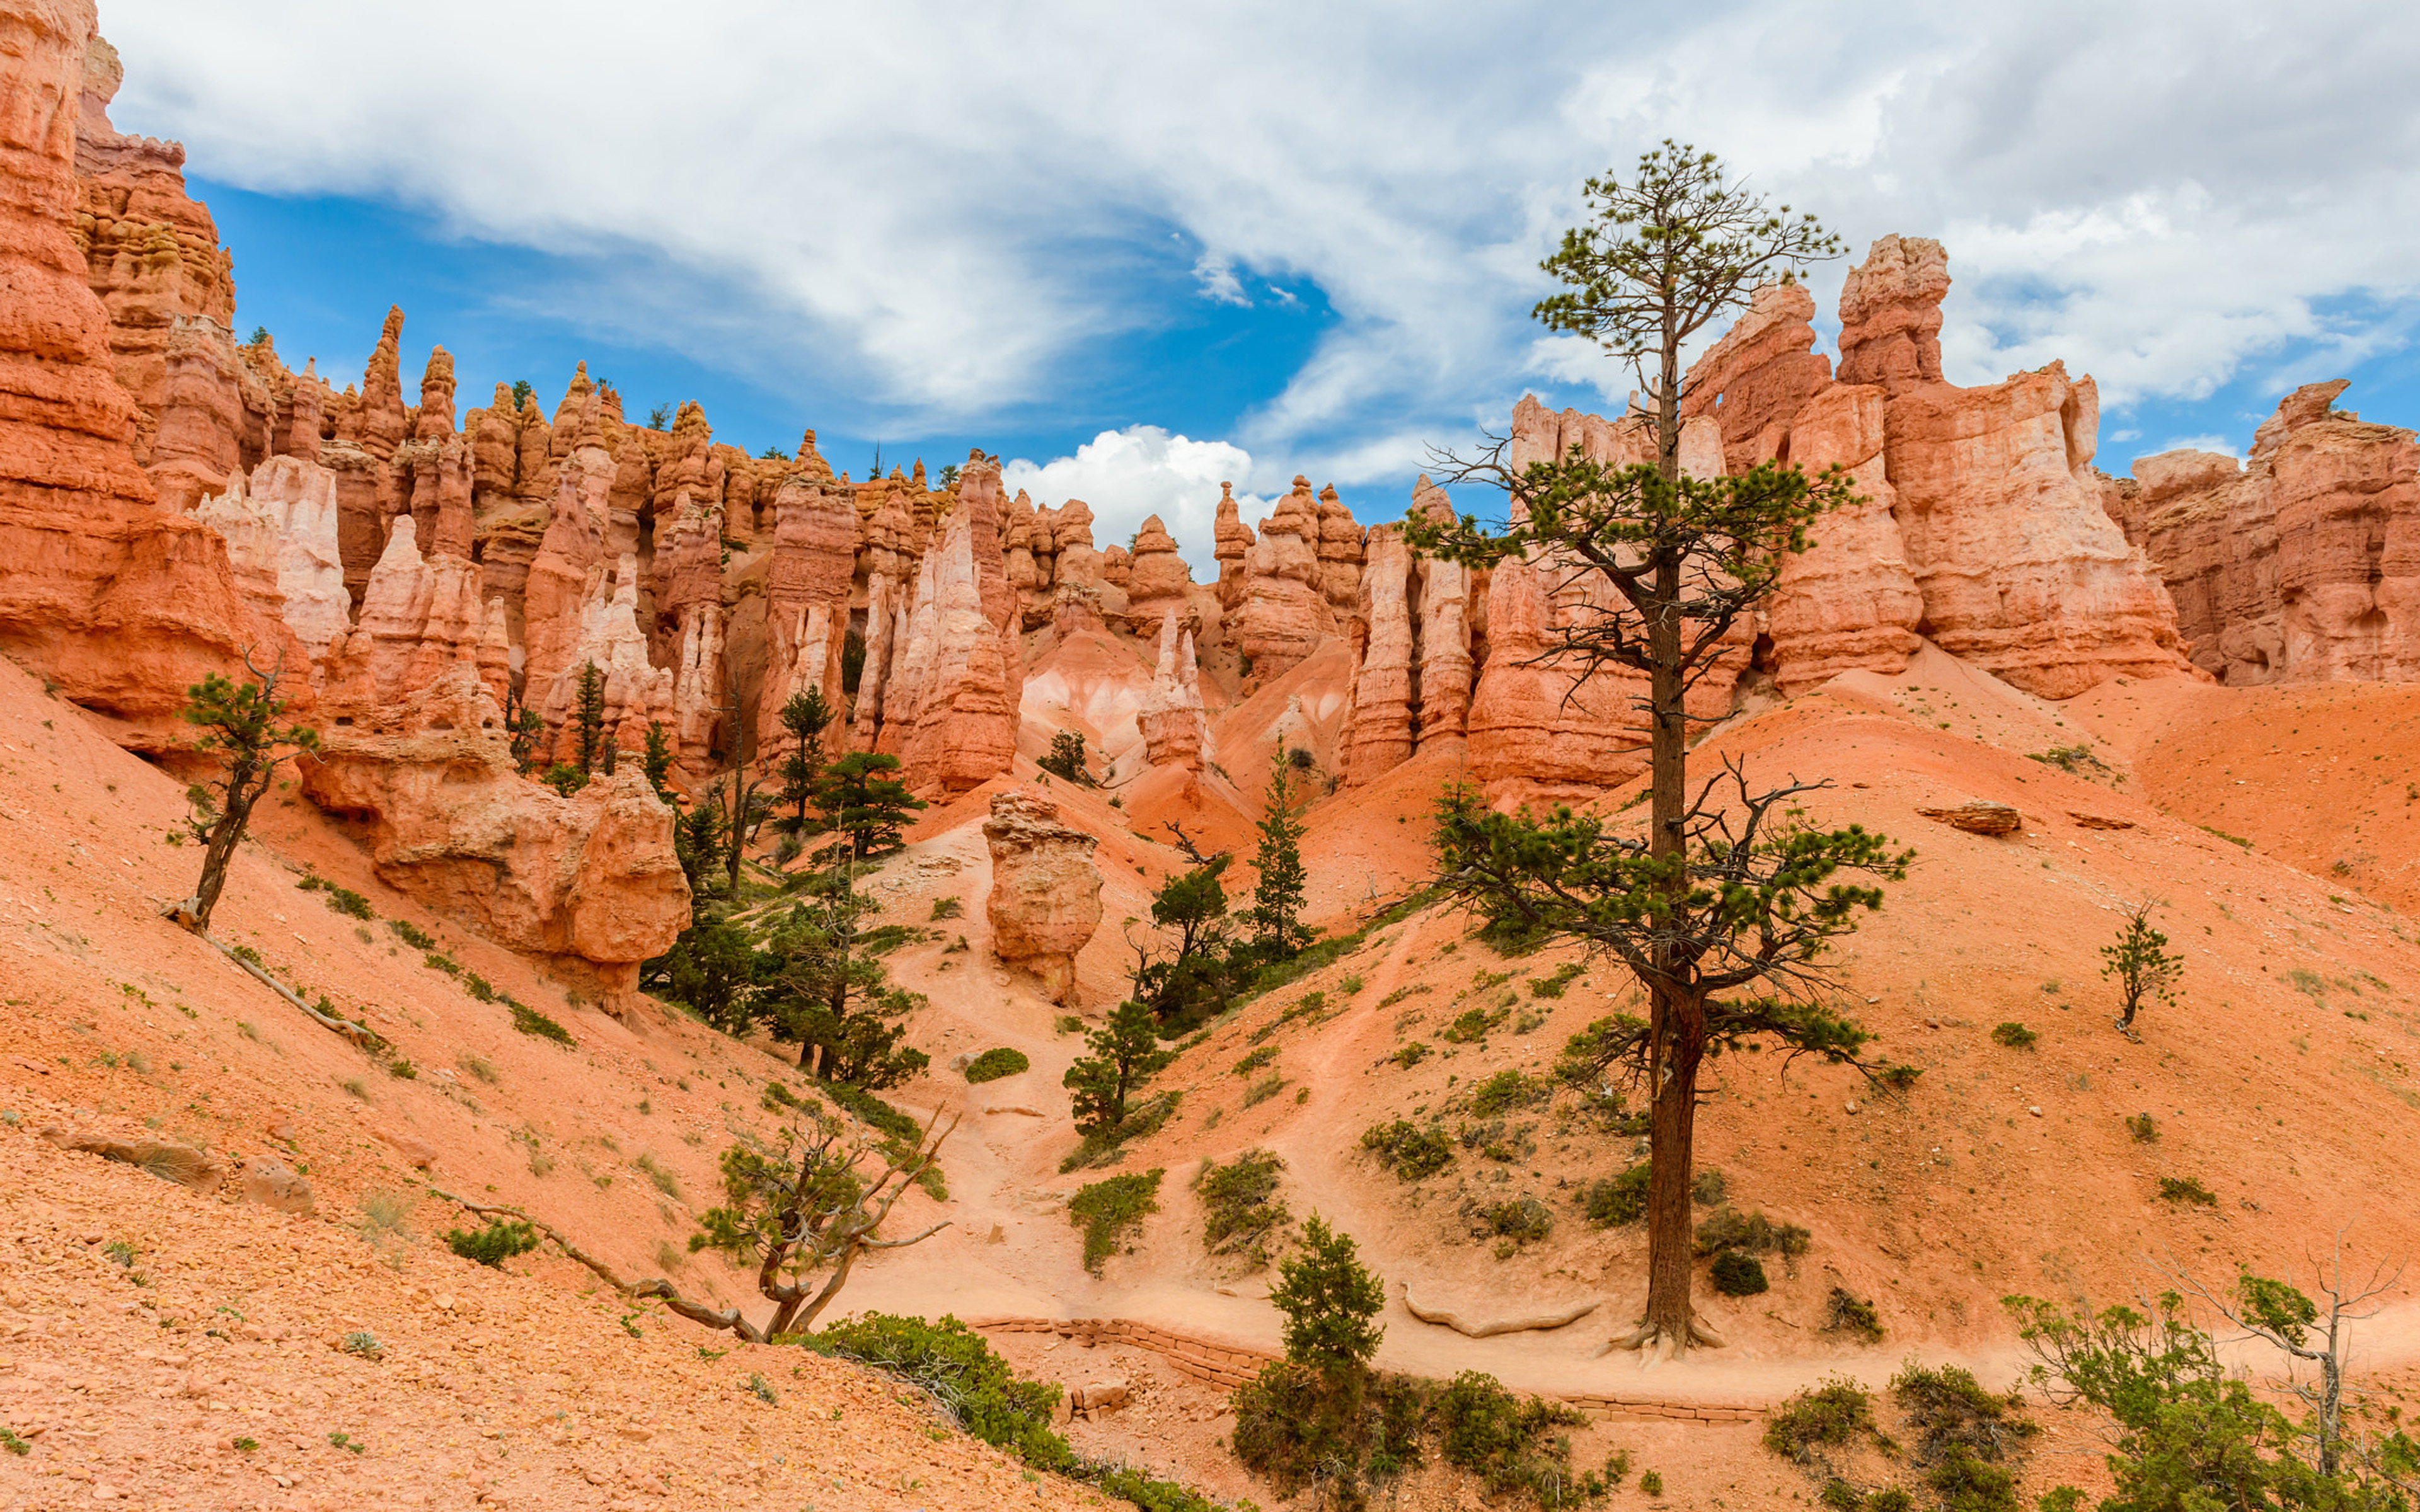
(2298, 564)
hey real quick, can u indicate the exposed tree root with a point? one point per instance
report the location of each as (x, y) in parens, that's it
(1655, 1347)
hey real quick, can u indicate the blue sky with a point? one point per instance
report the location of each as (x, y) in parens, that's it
(1143, 249)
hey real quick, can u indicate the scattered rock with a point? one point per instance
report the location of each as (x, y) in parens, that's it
(1098, 1397)
(273, 1186)
(181, 1164)
(1980, 817)
(417, 1152)
(2093, 820)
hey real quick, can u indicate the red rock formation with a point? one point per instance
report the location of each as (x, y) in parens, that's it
(152, 254)
(376, 422)
(807, 597)
(1890, 315)
(590, 881)
(2301, 566)
(1379, 733)
(1759, 375)
(1447, 590)
(1339, 551)
(1234, 542)
(121, 603)
(1174, 725)
(1045, 892)
(1848, 603)
(1284, 613)
(1539, 732)
(279, 527)
(951, 697)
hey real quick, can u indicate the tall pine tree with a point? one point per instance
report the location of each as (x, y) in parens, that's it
(1277, 929)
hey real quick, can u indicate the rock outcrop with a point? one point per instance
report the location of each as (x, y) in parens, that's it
(588, 881)
(121, 603)
(1284, 611)
(1379, 731)
(1849, 602)
(279, 527)
(2301, 565)
(1045, 892)
(1174, 725)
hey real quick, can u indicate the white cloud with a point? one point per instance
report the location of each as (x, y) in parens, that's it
(948, 206)
(2224, 445)
(1128, 475)
(1219, 285)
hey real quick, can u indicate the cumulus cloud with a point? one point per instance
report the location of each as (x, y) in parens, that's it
(958, 210)
(1128, 475)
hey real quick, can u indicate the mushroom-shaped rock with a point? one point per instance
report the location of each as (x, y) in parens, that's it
(1045, 892)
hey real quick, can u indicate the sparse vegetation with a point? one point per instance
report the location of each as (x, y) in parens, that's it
(1736, 1273)
(996, 1063)
(1616, 1199)
(1833, 1414)
(2186, 1190)
(2014, 1036)
(2145, 1128)
(530, 1021)
(1844, 1313)
(1241, 1211)
(1108, 1211)
(494, 1244)
(1729, 1228)
(1411, 1152)
(1556, 985)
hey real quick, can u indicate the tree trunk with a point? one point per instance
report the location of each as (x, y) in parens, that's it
(1677, 1045)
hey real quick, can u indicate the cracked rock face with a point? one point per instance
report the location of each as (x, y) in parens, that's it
(1045, 892)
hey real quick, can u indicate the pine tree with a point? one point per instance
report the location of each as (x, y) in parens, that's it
(1721, 909)
(243, 731)
(1126, 1053)
(1277, 930)
(657, 763)
(590, 711)
(859, 798)
(805, 718)
(1331, 1304)
(2141, 965)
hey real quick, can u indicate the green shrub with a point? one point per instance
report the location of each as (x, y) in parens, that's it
(1847, 1314)
(1411, 989)
(362, 1344)
(1616, 1199)
(1510, 1443)
(2186, 1189)
(477, 987)
(1411, 1152)
(1650, 1483)
(948, 908)
(1963, 1434)
(1472, 1025)
(1729, 1228)
(1899, 1078)
(1558, 984)
(1521, 1220)
(1261, 1091)
(495, 1243)
(530, 1021)
(994, 1064)
(2145, 1128)
(2014, 1035)
(412, 934)
(1410, 1055)
(402, 1070)
(1241, 1212)
(1503, 1092)
(1256, 1059)
(1109, 1211)
(343, 900)
(1736, 1273)
(956, 1366)
(1708, 1187)
(445, 963)
(1834, 1414)
(1891, 1498)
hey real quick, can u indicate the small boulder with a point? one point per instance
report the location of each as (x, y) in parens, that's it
(181, 1164)
(1099, 1396)
(417, 1152)
(271, 1184)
